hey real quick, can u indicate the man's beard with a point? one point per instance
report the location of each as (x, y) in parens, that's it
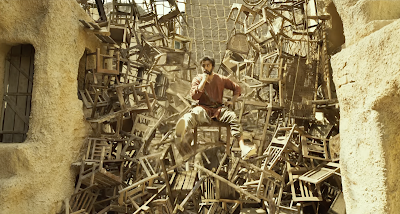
(208, 72)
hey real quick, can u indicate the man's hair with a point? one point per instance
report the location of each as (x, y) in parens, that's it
(207, 58)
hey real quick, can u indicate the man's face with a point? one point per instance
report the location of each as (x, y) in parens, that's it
(207, 66)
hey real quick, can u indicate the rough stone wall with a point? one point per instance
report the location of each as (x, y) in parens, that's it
(363, 17)
(366, 75)
(36, 175)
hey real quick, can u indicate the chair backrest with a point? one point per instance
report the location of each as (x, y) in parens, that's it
(83, 200)
(277, 146)
(238, 43)
(94, 150)
(142, 125)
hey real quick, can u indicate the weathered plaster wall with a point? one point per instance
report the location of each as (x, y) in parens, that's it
(366, 74)
(36, 175)
(363, 17)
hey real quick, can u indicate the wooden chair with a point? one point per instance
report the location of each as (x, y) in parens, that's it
(101, 124)
(94, 98)
(143, 130)
(145, 206)
(163, 206)
(93, 173)
(240, 9)
(236, 65)
(135, 193)
(320, 173)
(315, 148)
(116, 208)
(218, 125)
(141, 94)
(184, 189)
(151, 31)
(263, 19)
(216, 209)
(208, 191)
(279, 143)
(94, 151)
(238, 43)
(171, 20)
(272, 73)
(107, 63)
(267, 186)
(82, 201)
(274, 152)
(163, 59)
(338, 205)
(269, 192)
(302, 191)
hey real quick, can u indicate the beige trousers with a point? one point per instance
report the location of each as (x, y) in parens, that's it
(198, 117)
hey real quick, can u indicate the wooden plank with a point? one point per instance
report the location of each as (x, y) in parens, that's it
(144, 166)
(17, 110)
(320, 173)
(5, 87)
(17, 66)
(189, 182)
(12, 86)
(20, 124)
(180, 180)
(94, 25)
(106, 39)
(181, 206)
(30, 83)
(84, 99)
(84, 23)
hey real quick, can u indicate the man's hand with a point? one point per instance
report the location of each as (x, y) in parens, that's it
(229, 104)
(205, 76)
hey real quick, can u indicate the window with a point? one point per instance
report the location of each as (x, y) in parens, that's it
(18, 82)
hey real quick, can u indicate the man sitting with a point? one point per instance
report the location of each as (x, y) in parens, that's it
(208, 89)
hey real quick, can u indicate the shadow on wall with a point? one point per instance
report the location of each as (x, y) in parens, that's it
(335, 33)
(82, 71)
(388, 108)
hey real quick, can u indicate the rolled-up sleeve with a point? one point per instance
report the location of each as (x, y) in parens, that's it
(194, 91)
(229, 84)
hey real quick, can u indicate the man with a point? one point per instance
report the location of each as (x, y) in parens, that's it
(208, 89)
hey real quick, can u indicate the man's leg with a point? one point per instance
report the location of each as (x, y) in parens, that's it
(196, 116)
(229, 117)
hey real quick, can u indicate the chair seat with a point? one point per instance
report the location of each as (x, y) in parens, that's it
(184, 182)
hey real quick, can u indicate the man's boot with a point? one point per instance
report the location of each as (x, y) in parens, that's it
(183, 139)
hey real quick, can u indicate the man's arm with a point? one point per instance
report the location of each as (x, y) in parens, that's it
(229, 84)
(198, 86)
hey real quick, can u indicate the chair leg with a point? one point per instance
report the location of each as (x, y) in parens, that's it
(78, 185)
(228, 140)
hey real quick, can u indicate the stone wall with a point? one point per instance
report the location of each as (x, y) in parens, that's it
(36, 175)
(366, 75)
